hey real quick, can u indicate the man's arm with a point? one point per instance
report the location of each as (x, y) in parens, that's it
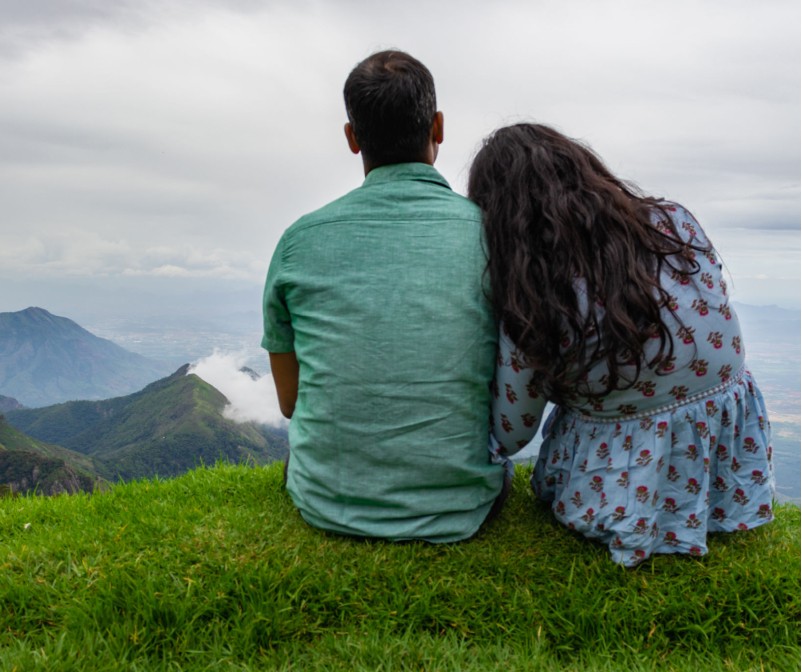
(284, 367)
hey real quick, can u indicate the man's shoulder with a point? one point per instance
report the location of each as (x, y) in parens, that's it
(398, 197)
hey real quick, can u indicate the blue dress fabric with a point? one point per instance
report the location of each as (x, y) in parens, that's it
(684, 451)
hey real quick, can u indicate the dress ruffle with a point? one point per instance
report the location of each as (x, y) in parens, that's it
(659, 482)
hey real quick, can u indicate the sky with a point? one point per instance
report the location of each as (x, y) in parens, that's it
(153, 151)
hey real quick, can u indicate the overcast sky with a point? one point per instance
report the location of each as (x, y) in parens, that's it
(162, 143)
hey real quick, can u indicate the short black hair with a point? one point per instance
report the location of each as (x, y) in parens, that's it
(391, 103)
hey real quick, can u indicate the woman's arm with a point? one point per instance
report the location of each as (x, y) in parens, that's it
(517, 406)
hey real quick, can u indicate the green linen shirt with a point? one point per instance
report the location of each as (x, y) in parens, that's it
(380, 296)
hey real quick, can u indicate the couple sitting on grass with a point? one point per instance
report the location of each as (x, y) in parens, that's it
(415, 337)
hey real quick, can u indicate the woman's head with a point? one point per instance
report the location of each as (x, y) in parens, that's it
(556, 218)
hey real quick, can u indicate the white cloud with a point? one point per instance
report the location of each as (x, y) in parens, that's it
(250, 400)
(203, 128)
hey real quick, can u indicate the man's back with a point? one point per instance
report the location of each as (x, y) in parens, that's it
(380, 296)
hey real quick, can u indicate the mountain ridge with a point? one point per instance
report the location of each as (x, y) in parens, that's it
(47, 359)
(170, 426)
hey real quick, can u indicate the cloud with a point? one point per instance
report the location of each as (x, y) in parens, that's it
(249, 400)
(177, 139)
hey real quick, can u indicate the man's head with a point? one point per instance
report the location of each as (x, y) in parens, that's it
(392, 110)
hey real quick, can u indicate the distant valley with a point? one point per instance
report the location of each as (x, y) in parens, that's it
(169, 425)
(46, 359)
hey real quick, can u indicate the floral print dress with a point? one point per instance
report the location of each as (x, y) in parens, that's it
(684, 451)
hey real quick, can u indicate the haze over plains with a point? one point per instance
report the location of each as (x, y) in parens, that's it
(152, 153)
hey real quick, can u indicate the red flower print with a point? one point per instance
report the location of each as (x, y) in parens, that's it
(616, 543)
(646, 424)
(721, 452)
(627, 409)
(743, 526)
(686, 334)
(627, 445)
(716, 339)
(761, 422)
(516, 362)
(720, 484)
(506, 425)
(725, 373)
(718, 514)
(559, 508)
(671, 539)
(740, 497)
(619, 513)
(736, 344)
(662, 428)
(759, 477)
(617, 431)
(667, 365)
(750, 445)
(706, 279)
(589, 516)
(693, 486)
(641, 526)
(710, 408)
(602, 451)
(692, 453)
(695, 551)
(736, 465)
(597, 483)
(679, 392)
(703, 430)
(531, 390)
(764, 511)
(642, 493)
(576, 500)
(529, 419)
(700, 306)
(584, 466)
(692, 521)
(673, 474)
(645, 387)
(670, 506)
(603, 501)
(724, 309)
(699, 366)
(644, 458)
(722, 283)
(511, 396)
(680, 276)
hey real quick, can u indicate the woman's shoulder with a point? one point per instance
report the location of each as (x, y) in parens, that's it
(682, 224)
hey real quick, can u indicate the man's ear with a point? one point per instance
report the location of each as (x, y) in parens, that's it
(437, 128)
(353, 144)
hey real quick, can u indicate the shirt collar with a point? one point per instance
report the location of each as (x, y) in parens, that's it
(405, 171)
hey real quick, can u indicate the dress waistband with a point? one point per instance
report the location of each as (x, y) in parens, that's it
(698, 396)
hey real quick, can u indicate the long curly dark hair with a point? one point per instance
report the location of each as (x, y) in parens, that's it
(574, 259)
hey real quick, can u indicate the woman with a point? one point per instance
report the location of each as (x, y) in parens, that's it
(613, 307)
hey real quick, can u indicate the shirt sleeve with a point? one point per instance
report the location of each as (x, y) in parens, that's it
(517, 405)
(278, 335)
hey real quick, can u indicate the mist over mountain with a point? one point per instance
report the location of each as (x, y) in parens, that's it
(46, 359)
(172, 425)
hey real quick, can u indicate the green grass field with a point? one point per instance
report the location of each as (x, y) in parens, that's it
(215, 570)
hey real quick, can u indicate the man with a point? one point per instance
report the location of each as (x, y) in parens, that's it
(381, 340)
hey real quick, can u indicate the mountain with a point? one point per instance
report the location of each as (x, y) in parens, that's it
(28, 465)
(46, 359)
(9, 404)
(166, 429)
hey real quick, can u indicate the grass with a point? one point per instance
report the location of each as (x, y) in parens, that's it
(215, 570)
